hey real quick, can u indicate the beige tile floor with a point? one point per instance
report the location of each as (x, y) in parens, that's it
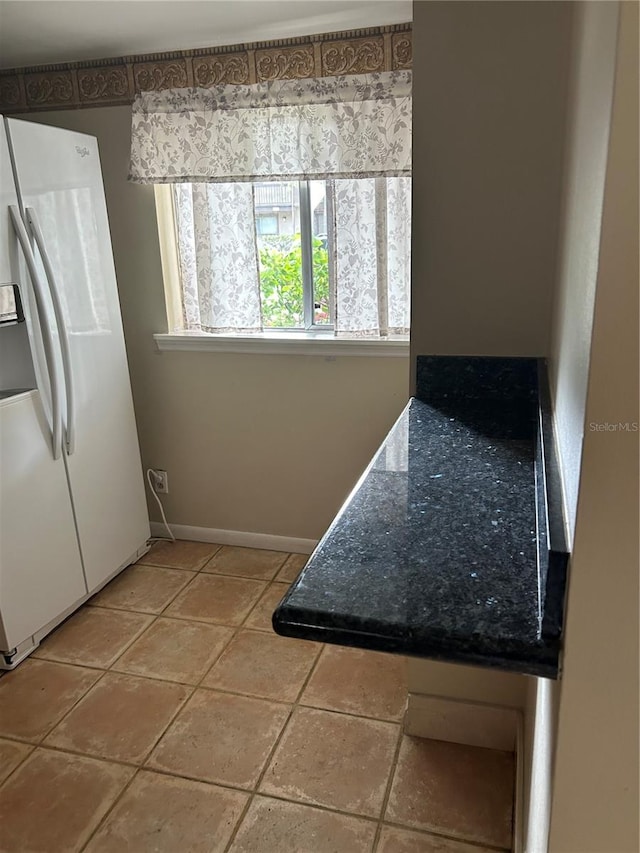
(167, 716)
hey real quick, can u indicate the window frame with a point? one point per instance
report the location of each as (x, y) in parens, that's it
(318, 340)
(306, 265)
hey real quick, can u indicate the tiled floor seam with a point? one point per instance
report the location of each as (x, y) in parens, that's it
(125, 648)
(269, 583)
(144, 612)
(136, 764)
(252, 792)
(67, 750)
(272, 752)
(141, 562)
(135, 639)
(161, 614)
(20, 763)
(215, 554)
(40, 741)
(329, 809)
(433, 833)
(105, 816)
(244, 577)
(141, 764)
(147, 756)
(387, 792)
(236, 629)
(200, 620)
(350, 714)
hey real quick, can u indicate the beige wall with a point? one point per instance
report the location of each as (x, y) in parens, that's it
(592, 65)
(595, 798)
(489, 101)
(489, 117)
(591, 92)
(264, 444)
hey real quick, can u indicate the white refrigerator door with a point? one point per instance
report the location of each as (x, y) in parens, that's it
(21, 356)
(58, 175)
(40, 569)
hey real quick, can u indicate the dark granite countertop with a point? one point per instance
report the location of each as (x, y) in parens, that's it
(443, 548)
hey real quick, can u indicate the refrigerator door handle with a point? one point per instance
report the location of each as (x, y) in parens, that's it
(47, 339)
(63, 333)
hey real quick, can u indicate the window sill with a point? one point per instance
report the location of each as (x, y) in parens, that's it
(283, 343)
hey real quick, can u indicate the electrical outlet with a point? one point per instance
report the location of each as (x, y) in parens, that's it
(161, 479)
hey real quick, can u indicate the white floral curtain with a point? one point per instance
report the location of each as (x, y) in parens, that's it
(372, 251)
(352, 131)
(218, 257)
(348, 126)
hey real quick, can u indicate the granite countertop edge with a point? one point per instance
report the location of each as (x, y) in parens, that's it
(498, 382)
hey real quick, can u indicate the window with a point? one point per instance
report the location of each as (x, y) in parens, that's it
(298, 219)
(293, 257)
(266, 224)
(318, 256)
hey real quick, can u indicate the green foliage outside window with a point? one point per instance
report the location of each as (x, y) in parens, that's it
(281, 284)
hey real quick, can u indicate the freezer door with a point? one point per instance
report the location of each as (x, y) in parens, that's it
(21, 346)
(40, 569)
(7, 197)
(58, 175)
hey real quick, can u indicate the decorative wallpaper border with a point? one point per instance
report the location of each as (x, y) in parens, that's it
(110, 82)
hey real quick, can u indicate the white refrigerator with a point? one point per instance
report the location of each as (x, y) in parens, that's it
(72, 502)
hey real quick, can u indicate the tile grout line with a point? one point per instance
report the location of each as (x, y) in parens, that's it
(235, 629)
(104, 817)
(144, 612)
(207, 560)
(19, 764)
(190, 618)
(40, 740)
(272, 752)
(252, 794)
(100, 678)
(142, 764)
(389, 785)
(108, 666)
(433, 833)
(164, 614)
(50, 731)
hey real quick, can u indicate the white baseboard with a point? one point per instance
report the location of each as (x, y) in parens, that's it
(441, 718)
(236, 537)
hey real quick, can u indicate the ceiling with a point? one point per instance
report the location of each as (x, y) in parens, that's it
(37, 32)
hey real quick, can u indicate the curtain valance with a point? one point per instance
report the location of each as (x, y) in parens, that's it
(356, 126)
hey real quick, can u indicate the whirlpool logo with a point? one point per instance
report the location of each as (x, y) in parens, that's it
(83, 152)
